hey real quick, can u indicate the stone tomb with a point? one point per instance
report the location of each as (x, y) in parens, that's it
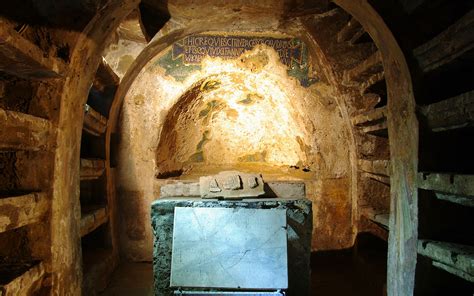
(299, 226)
(229, 248)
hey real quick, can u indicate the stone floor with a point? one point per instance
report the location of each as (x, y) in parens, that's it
(359, 271)
(131, 279)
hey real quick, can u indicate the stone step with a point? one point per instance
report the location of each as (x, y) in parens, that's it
(18, 211)
(448, 45)
(92, 169)
(453, 258)
(27, 283)
(379, 178)
(372, 122)
(378, 167)
(22, 131)
(366, 102)
(452, 113)
(357, 36)
(467, 201)
(22, 58)
(453, 184)
(94, 123)
(350, 29)
(105, 75)
(132, 28)
(458, 189)
(368, 117)
(379, 217)
(92, 218)
(366, 73)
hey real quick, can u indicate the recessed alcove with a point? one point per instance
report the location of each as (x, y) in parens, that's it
(233, 120)
(268, 110)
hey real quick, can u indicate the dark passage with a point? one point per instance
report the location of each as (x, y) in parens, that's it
(360, 270)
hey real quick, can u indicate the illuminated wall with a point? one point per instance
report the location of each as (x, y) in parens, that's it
(269, 110)
(239, 116)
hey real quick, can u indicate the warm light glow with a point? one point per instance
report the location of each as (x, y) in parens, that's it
(245, 116)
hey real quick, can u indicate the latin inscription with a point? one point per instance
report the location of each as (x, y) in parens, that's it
(186, 55)
(193, 49)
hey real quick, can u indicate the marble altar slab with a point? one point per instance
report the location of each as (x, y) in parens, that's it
(229, 248)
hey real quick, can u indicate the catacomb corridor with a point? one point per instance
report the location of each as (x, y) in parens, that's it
(211, 147)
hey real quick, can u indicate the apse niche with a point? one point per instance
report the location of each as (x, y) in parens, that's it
(234, 120)
(261, 105)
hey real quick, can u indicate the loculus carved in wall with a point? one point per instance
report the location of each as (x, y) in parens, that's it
(231, 185)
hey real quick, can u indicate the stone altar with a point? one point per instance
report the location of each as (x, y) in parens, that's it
(229, 248)
(299, 221)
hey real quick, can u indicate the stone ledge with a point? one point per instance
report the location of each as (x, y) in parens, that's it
(280, 189)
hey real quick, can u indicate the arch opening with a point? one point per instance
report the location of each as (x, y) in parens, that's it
(267, 109)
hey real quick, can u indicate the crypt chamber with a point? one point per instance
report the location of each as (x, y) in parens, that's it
(283, 147)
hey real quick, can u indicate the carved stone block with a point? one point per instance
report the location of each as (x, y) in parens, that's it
(231, 185)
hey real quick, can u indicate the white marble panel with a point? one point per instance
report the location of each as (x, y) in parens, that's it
(229, 248)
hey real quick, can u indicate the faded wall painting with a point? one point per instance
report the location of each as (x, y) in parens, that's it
(187, 54)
